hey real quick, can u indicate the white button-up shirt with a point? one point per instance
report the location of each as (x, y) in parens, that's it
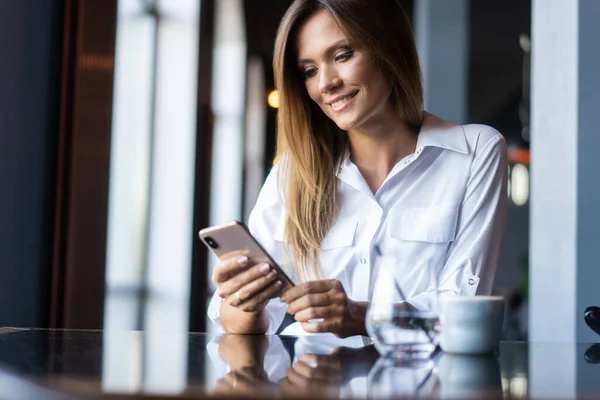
(442, 208)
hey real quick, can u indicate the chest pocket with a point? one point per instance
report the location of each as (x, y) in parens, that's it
(336, 250)
(421, 238)
(341, 234)
(436, 224)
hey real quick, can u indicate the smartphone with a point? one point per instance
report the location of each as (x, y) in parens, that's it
(234, 238)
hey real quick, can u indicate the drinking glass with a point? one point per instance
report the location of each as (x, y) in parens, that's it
(402, 318)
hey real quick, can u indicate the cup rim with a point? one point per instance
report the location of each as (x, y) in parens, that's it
(470, 298)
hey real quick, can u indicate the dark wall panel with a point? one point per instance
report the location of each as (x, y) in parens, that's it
(30, 60)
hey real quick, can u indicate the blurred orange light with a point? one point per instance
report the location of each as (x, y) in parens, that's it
(273, 99)
(518, 156)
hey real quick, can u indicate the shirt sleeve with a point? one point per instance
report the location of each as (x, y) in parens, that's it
(472, 259)
(264, 219)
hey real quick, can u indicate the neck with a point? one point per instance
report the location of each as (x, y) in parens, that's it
(377, 150)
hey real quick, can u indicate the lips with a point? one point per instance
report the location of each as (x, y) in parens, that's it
(341, 102)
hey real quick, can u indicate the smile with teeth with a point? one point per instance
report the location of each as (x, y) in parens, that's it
(341, 102)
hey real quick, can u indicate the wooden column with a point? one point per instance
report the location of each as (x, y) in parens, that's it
(78, 275)
(199, 276)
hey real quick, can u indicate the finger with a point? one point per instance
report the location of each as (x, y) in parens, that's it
(260, 300)
(327, 312)
(241, 279)
(298, 291)
(296, 379)
(323, 326)
(290, 389)
(257, 286)
(222, 387)
(315, 373)
(225, 269)
(252, 371)
(230, 379)
(238, 381)
(249, 376)
(305, 370)
(307, 301)
(320, 360)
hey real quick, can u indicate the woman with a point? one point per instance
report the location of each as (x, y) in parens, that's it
(362, 166)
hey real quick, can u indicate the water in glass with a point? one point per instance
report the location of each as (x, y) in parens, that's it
(402, 320)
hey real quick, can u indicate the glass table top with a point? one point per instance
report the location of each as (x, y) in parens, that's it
(122, 363)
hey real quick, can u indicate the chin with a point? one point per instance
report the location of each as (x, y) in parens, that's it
(345, 124)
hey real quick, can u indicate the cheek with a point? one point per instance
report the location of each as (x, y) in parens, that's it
(313, 91)
(382, 85)
(371, 78)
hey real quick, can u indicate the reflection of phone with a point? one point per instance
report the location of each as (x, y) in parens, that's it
(234, 238)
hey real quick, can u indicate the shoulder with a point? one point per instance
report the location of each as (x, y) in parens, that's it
(481, 137)
(271, 193)
(269, 207)
(467, 140)
(487, 147)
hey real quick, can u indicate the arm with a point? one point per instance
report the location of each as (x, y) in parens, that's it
(264, 316)
(237, 321)
(472, 259)
(245, 290)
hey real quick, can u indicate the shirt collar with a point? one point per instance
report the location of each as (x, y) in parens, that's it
(435, 132)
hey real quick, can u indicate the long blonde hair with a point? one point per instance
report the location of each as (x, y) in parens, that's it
(309, 145)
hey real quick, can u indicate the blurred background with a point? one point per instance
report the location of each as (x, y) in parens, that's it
(128, 125)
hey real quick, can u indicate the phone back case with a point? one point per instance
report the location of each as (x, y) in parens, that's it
(233, 239)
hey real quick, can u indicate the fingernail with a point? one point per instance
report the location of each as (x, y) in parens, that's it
(278, 283)
(272, 274)
(264, 268)
(242, 260)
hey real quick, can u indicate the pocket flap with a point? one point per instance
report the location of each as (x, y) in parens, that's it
(434, 224)
(341, 234)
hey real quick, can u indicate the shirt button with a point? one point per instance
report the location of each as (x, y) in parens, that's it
(471, 281)
(363, 260)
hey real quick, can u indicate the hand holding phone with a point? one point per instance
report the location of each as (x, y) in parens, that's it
(246, 277)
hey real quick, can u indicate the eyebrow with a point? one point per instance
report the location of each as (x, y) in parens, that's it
(340, 43)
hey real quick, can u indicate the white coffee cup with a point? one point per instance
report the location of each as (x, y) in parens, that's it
(471, 324)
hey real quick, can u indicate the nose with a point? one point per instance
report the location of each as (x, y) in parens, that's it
(328, 80)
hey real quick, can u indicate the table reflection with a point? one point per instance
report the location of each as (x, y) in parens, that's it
(245, 358)
(444, 376)
(414, 379)
(592, 354)
(183, 365)
(284, 365)
(469, 376)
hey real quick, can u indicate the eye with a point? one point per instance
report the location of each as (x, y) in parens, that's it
(309, 72)
(344, 56)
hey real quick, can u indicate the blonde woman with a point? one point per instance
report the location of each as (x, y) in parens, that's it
(361, 165)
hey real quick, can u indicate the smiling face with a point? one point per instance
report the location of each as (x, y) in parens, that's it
(340, 77)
